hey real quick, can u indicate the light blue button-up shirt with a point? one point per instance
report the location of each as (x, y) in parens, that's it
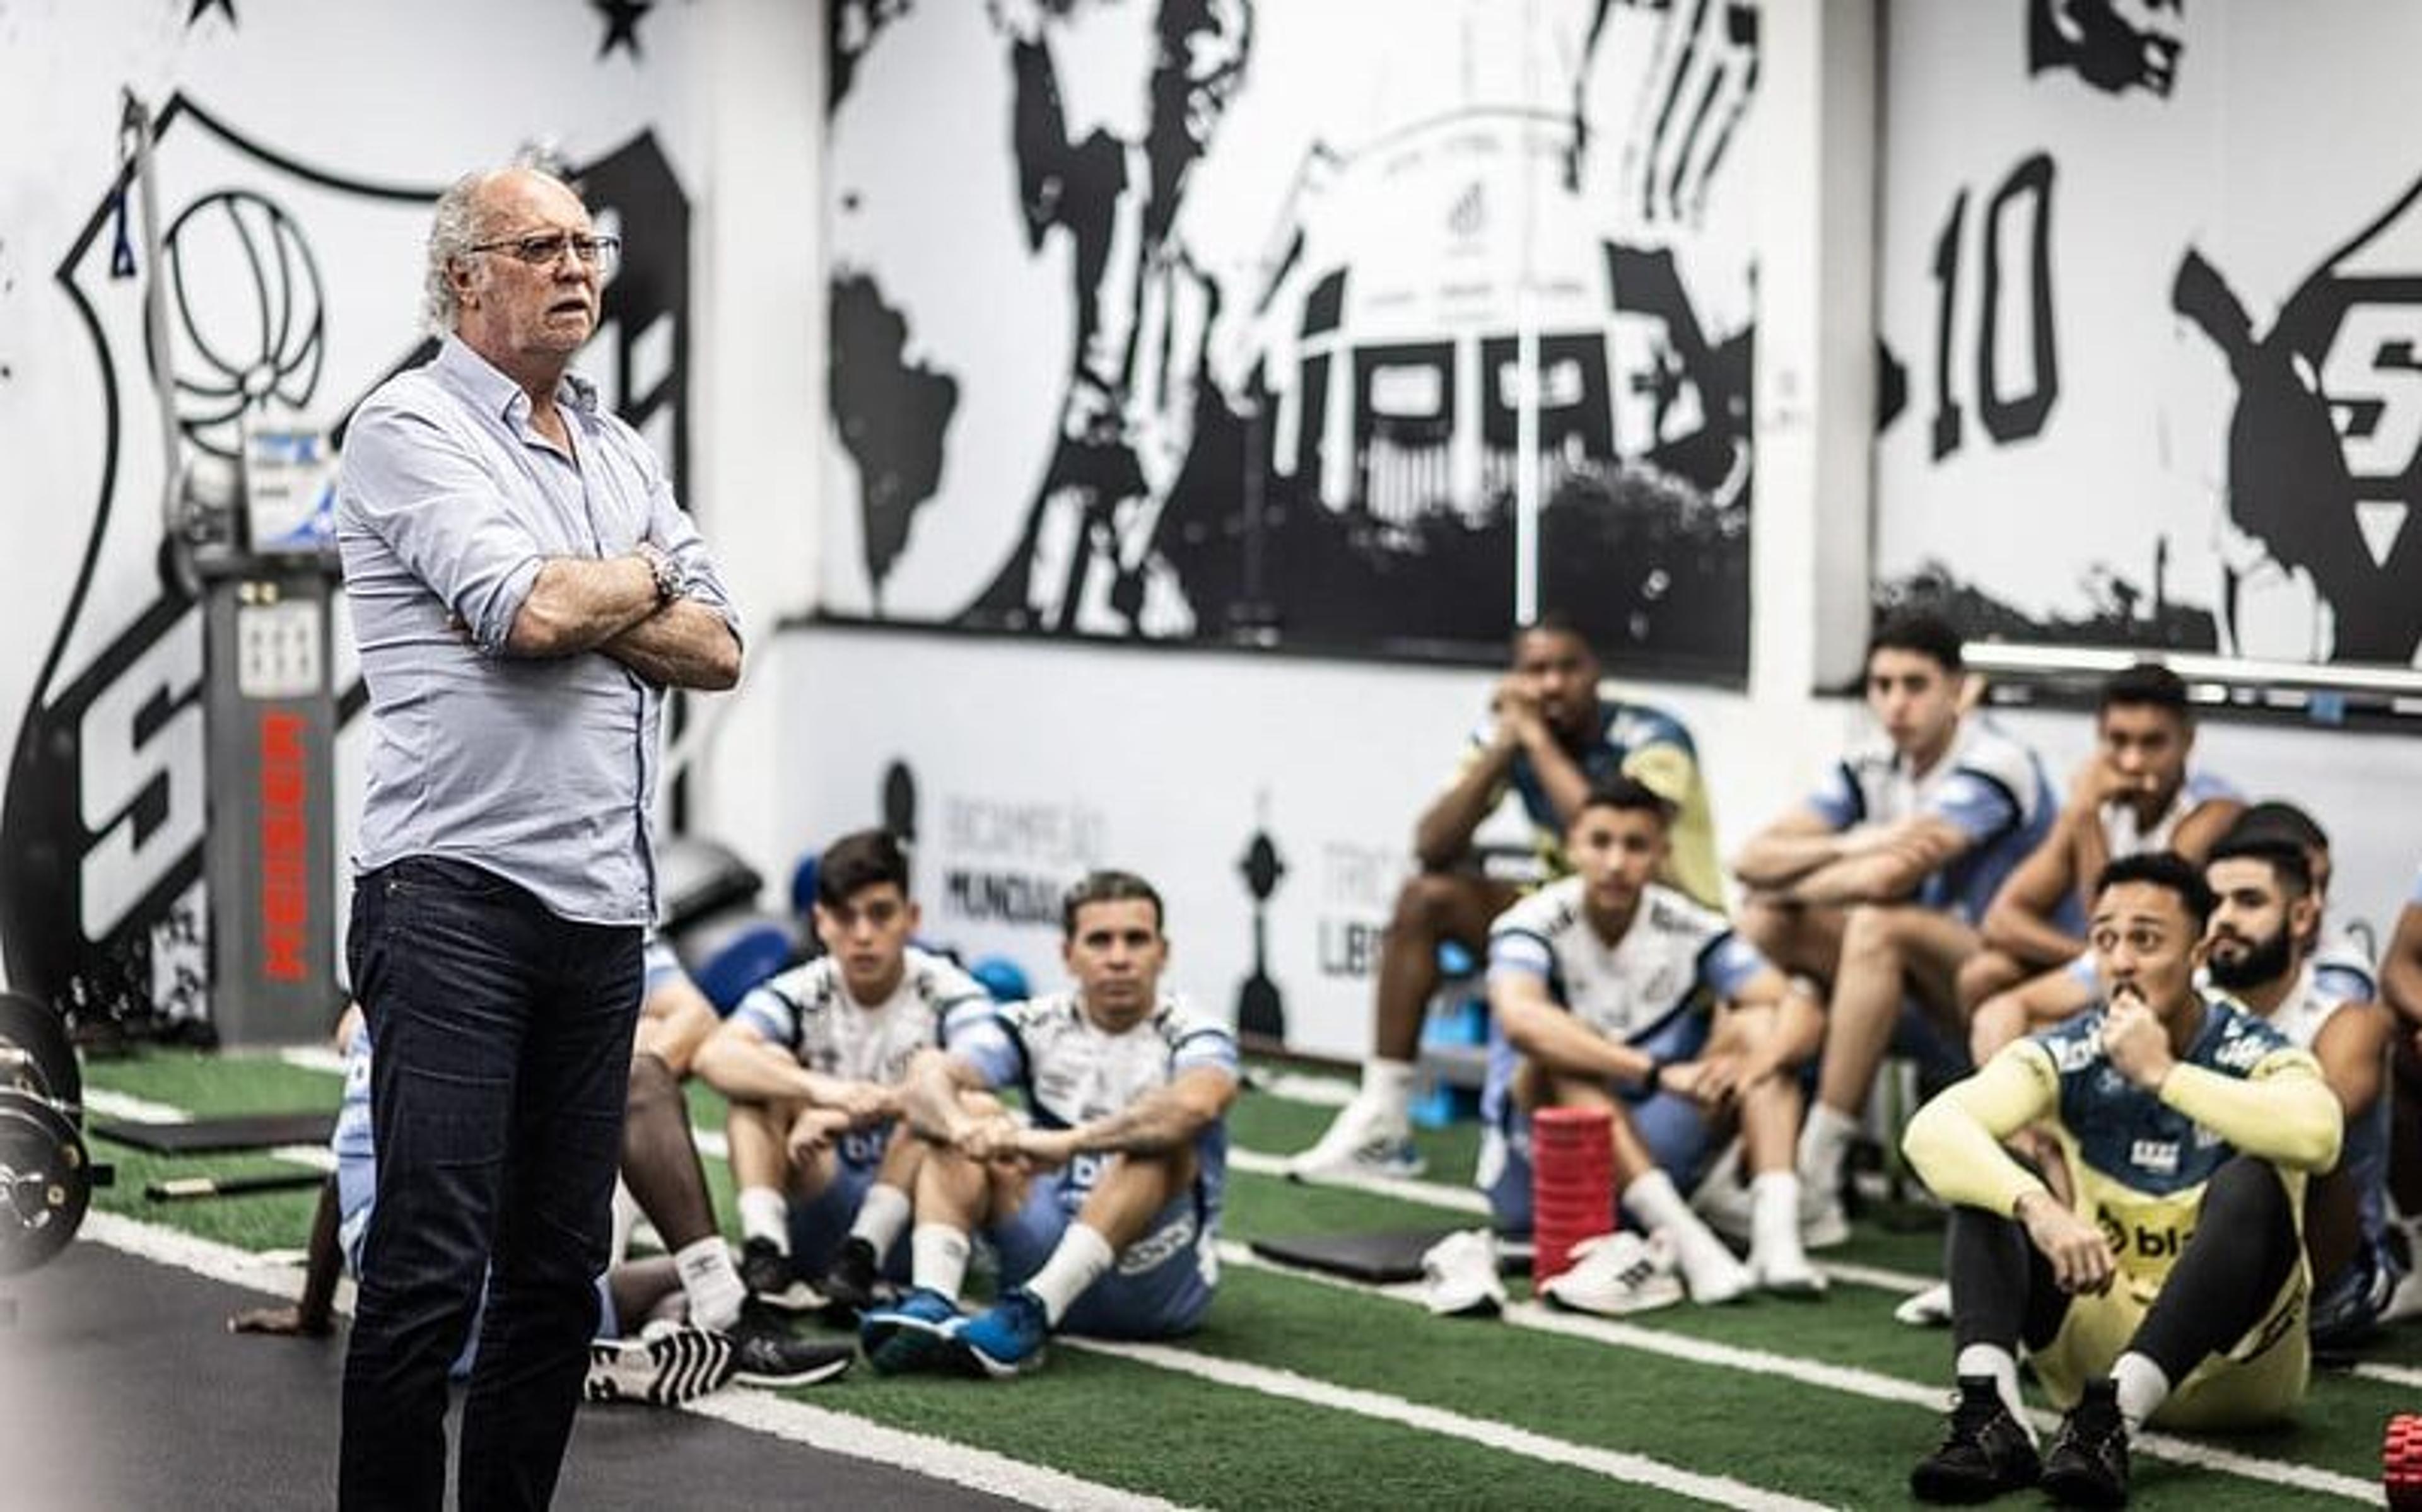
(541, 769)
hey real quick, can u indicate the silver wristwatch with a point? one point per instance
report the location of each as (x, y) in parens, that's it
(672, 581)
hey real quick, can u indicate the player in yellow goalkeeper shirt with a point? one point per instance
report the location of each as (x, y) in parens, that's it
(2175, 1283)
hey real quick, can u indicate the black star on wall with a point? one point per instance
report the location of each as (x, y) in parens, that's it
(203, 8)
(622, 23)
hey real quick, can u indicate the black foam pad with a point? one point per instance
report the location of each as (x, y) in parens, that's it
(197, 1136)
(1383, 1257)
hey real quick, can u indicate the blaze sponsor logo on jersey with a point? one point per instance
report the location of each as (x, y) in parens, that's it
(2160, 1155)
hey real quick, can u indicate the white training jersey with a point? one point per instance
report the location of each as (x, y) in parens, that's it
(1073, 1070)
(2122, 836)
(1631, 988)
(1989, 785)
(808, 1011)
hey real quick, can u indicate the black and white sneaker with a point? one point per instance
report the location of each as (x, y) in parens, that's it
(765, 1353)
(668, 1365)
(767, 1272)
(1985, 1451)
(2087, 1462)
(853, 1285)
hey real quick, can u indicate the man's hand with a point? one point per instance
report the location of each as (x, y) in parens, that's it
(283, 1322)
(2096, 781)
(813, 1130)
(1517, 708)
(994, 1138)
(1046, 1149)
(2081, 1257)
(1711, 1081)
(864, 1102)
(2135, 1041)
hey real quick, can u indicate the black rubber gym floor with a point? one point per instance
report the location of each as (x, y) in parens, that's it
(120, 1388)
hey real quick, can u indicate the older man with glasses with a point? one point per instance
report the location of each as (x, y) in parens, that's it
(524, 590)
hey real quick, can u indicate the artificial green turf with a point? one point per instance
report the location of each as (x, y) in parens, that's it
(1202, 1443)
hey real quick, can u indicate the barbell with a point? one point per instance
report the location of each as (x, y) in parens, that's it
(46, 1174)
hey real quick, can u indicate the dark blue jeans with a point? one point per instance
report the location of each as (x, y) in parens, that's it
(504, 1053)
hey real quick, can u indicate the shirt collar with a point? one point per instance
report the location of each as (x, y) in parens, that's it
(494, 392)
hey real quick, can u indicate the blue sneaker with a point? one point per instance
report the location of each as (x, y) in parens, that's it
(908, 1335)
(1005, 1341)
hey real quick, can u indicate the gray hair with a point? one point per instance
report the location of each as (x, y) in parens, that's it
(455, 228)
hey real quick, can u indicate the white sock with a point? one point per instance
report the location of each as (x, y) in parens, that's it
(709, 1281)
(1388, 1086)
(627, 1218)
(1824, 1140)
(765, 1214)
(1078, 1261)
(938, 1259)
(1774, 1220)
(2143, 1388)
(2000, 1364)
(1658, 1205)
(882, 1218)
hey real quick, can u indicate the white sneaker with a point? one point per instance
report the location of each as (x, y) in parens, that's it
(1365, 1140)
(1930, 1308)
(669, 1364)
(1459, 1274)
(1722, 1200)
(1618, 1273)
(1787, 1275)
(1823, 1224)
(1714, 1277)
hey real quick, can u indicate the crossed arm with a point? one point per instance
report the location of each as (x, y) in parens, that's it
(609, 605)
(1801, 858)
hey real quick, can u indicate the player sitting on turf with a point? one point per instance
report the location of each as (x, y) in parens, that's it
(812, 1061)
(1875, 884)
(1549, 733)
(692, 1325)
(1105, 1209)
(1610, 990)
(2173, 1282)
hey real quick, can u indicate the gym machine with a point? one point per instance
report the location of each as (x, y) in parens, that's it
(46, 1176)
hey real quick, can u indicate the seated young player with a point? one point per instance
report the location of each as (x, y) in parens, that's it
(2258, 954)
(812, 1061)
(2401, 988)
(716, 1336)
(2136, 792)
(1105, 1209)
(1549, 733)
(1876, 884)
(2170, 1288)
(1612, 992)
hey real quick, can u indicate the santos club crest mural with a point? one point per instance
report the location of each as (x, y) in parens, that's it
(2152, 314)
(1199, 319)
(290, 296)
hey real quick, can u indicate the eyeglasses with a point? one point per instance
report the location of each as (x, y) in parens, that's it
(545, 251)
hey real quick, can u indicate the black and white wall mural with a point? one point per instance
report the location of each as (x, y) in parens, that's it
(2151, 305)
(291, 264)
(1197, 319)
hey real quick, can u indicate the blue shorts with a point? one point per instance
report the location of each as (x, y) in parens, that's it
(1673, 1127)
(1160, 1286)
(819, 1223)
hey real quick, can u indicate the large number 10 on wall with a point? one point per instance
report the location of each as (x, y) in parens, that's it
(2008, 417)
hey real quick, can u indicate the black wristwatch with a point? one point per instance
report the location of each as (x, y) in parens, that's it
(672, 581)
(1657, 1065)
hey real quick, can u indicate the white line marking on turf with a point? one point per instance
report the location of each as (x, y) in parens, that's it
(977, 1469)
(1637, 1470)
(120, 1105)
(1470, 1200)
(1849, 1379)
(1316, 1091)
(1428, 1194)
(313, 1058)
(2393, 1375)
(833, 1432)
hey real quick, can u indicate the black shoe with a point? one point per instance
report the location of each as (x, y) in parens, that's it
(2087, 1462)
(854, 1285)
(765, 1353)
(1985, 1453)
(765, 1270)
